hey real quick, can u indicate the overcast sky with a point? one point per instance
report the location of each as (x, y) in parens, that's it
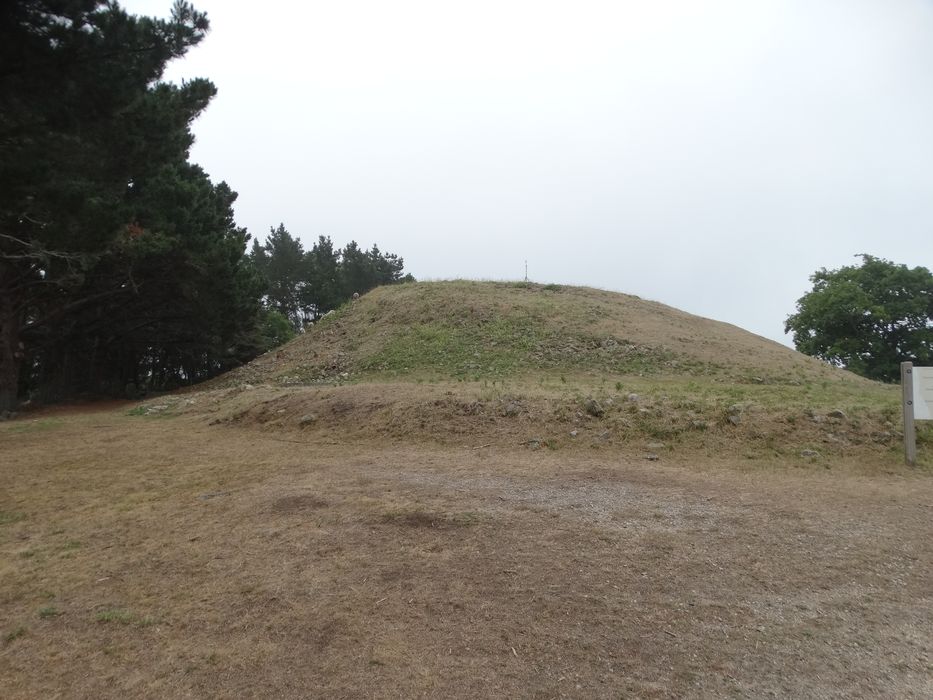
(708, 154)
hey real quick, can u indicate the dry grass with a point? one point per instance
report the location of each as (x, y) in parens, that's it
(170, 558)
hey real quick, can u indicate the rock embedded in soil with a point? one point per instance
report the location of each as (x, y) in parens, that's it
(593, 407)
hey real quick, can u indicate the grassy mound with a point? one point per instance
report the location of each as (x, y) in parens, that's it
(483, 363)
(435, 331)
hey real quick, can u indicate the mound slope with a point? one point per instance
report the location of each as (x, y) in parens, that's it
(487, 330)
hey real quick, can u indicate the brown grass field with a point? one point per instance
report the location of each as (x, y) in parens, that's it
(476, 491)
(166, 557)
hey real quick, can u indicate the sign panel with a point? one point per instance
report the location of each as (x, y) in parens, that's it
(923, 393)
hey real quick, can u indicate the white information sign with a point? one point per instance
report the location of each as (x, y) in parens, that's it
(923, 393)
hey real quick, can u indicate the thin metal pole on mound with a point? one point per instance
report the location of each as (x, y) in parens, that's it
(910, 433)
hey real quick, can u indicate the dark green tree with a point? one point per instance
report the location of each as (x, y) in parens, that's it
(191, 304)
(303, 286)
(324, 291)
(282, 262)
(357, 271)
(112, 247)
(387, 268)
(867, 318)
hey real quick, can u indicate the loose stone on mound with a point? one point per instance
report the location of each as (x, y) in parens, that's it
(593, 407)
(513, 408)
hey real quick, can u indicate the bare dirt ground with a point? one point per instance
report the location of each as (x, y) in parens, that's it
(163, 557)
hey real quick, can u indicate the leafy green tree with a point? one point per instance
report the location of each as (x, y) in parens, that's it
(274, 329)
(867, 318)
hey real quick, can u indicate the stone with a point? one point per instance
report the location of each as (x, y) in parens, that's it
(633, 398)
(574, 433)
(700, 425)
(809, 453)
(512, 408)
(593, 407)
(837, 413)
(651, 457)
(307, 419)
(735, 419)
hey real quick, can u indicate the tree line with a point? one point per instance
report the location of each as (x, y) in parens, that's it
(121, 264)
(301, 286)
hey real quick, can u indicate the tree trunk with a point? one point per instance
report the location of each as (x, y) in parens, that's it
(10, 353)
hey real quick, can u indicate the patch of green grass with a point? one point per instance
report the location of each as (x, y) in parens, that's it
(506, 346)
(150, 410)
(7, 517)
(14, 635)
(35, 425)
(49, 611)
(122, 617)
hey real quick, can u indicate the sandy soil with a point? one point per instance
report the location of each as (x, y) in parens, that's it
(163, 557)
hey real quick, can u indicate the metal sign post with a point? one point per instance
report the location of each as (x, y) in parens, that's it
(917, 388)
(910, 432)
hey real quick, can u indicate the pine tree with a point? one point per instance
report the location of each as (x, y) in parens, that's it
(94, 254)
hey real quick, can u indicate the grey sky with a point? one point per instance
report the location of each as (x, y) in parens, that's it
(706, 154)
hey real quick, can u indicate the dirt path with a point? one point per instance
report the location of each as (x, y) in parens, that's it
(164, 558)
